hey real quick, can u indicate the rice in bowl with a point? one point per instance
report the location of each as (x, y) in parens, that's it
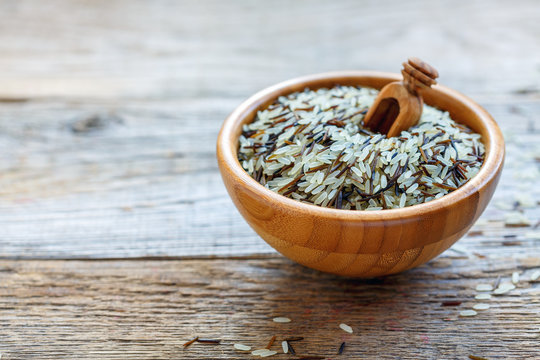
(311, 146)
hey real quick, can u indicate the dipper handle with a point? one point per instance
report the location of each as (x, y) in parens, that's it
(418, 74)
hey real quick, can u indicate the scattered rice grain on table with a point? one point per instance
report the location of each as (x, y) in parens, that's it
(208, 341)
(341, 348)
(310, 146)
(259, 351)
(484, 287)
(271, 342)
(516, 219)
(188, 343)
(285, 347)
(534, 235)
(282, 320)
(346, 328)
(483, 296)
(515, 277)
(294, 338)
(451, 303)
(460, 249)
(466, 313)
(481, 306)
(291, 349)
(473, 357)
(525, 201)
(242, 347)
(504, 288)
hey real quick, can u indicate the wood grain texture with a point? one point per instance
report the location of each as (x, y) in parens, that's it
(109, 112)
(148, 309)
(163, 49)
(108, 116)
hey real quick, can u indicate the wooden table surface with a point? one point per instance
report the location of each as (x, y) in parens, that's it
(117, 237)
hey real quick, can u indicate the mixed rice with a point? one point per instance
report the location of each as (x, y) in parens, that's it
(311, 146)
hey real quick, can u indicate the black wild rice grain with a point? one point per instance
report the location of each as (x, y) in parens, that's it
(294, 338)
(208, 341)
(291, 349)
(341, 348)
(451, 303)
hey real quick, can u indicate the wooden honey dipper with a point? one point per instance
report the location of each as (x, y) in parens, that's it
(399, 104)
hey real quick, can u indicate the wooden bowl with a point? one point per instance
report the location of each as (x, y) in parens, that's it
(360, 243)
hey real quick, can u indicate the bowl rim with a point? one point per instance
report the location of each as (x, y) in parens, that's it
(227, 144)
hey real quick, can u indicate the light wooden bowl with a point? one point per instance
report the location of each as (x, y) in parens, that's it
(360, 243)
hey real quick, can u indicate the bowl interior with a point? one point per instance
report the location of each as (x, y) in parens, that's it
(461, 109)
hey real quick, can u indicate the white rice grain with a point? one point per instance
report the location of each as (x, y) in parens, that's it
(259, 352)
(484, 287)
(242, 347)
(481, 306)
(483, 296)
(466, 313)
(346, 328)
(282, 320)
(268, 353)
(504, 288)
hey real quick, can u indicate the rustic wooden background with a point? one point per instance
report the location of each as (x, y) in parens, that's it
(118, 239)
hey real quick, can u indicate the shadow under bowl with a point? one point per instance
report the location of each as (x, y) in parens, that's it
(352, 242)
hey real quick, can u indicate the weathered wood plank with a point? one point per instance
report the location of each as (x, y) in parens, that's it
(121, 49)
(140, 179)
(148, 309)
(109, 112)
(146, 182)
